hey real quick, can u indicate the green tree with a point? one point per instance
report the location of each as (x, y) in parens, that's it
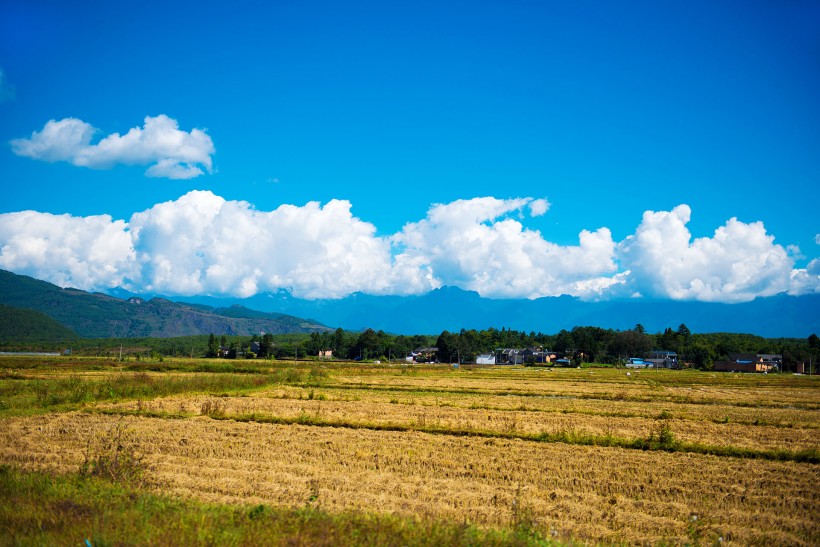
(685, 334)
(702, 355)
(564, 342)
(631, 343)
(367, 344)
(314, 344)
(447, 344)
(266, 345)
(213, 347)
(339, 343)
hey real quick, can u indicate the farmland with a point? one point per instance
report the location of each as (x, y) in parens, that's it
(421, 454)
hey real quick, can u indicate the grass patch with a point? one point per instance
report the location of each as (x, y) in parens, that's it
(48, 509)
(27, 395)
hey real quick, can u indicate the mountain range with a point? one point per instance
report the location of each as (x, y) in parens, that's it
(122, 314)
(96, 315)
(451, 308)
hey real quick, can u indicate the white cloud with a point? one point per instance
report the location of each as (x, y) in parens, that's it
(58, 141)
(806, 281)
(817, 238)
(471, 244)
(740, 262)
(84, 252)
(160, 144)
(539, 207)
(204, 244)
(6, 89)
(201, 243)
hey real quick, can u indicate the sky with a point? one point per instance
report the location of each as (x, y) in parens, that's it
(519, 149)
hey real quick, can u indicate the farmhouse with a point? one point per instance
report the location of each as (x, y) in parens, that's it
(663, 359)
(422, 355)
(750, 362)
(508, 356)
(635, 362)
(538, 355)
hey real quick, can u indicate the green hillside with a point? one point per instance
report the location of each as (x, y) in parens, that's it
(101, 316)
(22, 325)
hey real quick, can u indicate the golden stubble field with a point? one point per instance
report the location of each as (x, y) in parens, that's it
(457, 444)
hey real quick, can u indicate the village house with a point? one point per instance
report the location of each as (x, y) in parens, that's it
(508, 356)
(750, 362)
(663, 359)
(422, 355)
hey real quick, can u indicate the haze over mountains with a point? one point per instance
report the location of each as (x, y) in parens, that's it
(122, 314)
(95, 315)
(451, 308)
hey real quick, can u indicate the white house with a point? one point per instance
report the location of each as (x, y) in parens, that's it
(485, 359)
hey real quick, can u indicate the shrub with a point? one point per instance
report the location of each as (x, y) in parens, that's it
(662, 438)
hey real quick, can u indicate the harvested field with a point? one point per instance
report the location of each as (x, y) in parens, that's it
(572, 455)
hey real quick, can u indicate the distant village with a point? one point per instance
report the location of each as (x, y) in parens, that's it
(657, 359)
(583, 346)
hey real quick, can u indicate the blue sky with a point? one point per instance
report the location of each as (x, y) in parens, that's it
(379, 111)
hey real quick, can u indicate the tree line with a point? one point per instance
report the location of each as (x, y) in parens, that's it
(580, 344)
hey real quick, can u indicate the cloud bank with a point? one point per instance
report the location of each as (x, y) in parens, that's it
(160, 144)
(737, 264)
(204, 244)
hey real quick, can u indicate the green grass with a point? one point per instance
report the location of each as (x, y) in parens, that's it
(44, 509)
(24, 394)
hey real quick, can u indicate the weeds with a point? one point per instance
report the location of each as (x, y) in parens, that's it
(313, 489)
(114, 456)
(213, 408)
(45, 394)
(41, 509)
(522, 517)
(662, 438)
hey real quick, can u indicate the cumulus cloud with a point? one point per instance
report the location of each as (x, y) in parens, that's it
(806, 281)
(474, 244)
(92, 252)
(160, 144)
(737, 264)
(6, 89)
(204, 244)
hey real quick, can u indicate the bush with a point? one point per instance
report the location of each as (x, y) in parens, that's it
(663, 438)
